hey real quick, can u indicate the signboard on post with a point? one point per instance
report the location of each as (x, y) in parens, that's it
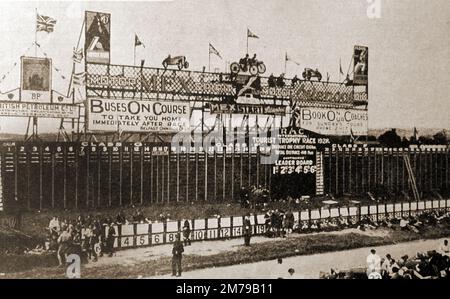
(333, 121)
(36, 79)
(97, 37)
(360, 65)
(112, 115)
(43, 110)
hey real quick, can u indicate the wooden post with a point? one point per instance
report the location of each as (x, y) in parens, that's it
(196, 175)
(52, 157)
(88, 154)
(99, 170)
(77, 155)
(187, 176)
(151, 175)
(178, 176)
(41, 157)
(224, 174)
(206, 175)
(120, 174)
(109, 177)
(141, 171)
(131, 173)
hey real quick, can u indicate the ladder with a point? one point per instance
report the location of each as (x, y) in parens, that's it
(412, 178)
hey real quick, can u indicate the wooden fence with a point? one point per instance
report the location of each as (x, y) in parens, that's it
(88, 175)
(144, 234)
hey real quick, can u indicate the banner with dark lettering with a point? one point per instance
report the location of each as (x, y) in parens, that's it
(361, 65)
(97, 37)
(333, 121)
(43, 110)
(113, 115)
(36, 79)
(222, 108)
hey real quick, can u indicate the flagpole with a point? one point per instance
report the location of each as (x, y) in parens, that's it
(134, 55)
(35, 35)
(285, 63)
(247, 40)
(209, 58)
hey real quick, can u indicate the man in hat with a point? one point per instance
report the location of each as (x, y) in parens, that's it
(177, 252)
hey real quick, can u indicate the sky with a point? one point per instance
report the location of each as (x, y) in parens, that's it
(409, 45)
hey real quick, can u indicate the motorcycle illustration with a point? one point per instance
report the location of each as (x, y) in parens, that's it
(310, 73)
(179, 61)
(253, 66)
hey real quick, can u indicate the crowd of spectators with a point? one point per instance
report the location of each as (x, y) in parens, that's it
(88, 236)
(434, 264)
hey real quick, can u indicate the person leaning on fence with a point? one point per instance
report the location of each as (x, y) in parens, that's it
(177, 253)
(247, 230)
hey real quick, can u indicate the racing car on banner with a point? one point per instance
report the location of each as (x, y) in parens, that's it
(179, 61)
(247, 64)
(310, 73)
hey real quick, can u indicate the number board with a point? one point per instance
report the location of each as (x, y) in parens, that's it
(405, 207)
(304, 215)
(260, 219)
(435, 203)
(364, 210)
(389, 208)
(352, 211)
(171, 237)
(381, 209)
(428, 204)
(142, 240)
(324, 213)
(413, 206)
(315, 214)
(237, 226)
(373, 210)
(224, 232)
(334, 212)
(128, 230)
(343, 212)
(126, 241)
(421, 205)
(260, 229)
(157, 233)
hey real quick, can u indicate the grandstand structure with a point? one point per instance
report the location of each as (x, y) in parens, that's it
(119, 149)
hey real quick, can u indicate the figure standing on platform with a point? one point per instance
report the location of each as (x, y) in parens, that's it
(177, 253)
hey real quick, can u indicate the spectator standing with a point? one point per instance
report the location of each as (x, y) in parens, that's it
(177, 253)
(247, 230)
(373, 262)
(186, 233)
(444, 249)
(64, 241)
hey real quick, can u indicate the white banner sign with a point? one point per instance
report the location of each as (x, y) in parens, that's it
(44, 110)
(112, 115)
(333, 121)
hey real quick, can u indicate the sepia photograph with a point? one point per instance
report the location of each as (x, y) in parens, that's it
(250, 140)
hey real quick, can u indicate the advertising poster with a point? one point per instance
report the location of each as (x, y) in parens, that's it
(112, 115)
(43, 110)
(97, 37)
(361, 65)
(333, 121)
(36, 79)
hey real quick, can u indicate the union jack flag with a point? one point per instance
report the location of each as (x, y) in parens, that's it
(44, 23)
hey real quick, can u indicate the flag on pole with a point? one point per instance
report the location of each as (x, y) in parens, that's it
(77, 56)
(251, 34)
(415, 133)
(44, 23)
(213, 50)
(288, 58)
(340, 67)
(137, 41)
(79, 78)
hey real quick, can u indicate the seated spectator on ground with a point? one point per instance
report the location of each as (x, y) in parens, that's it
(444, 249)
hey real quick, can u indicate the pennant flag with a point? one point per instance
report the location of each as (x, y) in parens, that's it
(77, 56)
(291, 60)
(44, 23)
(415, 133)
(79, 78)
(340, 68)
(213, 50)
(328, 77)
(251, 34)
(137, 41)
